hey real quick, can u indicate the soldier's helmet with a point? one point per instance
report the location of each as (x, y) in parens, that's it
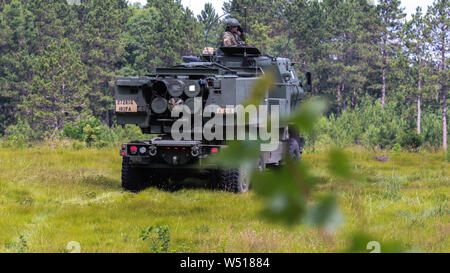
(233, 22)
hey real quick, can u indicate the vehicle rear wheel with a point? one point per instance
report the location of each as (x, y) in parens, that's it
(134, 179)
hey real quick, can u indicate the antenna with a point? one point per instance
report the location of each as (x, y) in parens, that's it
(208, 28)
(245, 20)
(245, 60)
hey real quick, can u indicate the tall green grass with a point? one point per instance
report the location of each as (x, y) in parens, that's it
(51, 195)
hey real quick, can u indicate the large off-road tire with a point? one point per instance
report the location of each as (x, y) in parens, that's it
(134, 179)
(234, 180)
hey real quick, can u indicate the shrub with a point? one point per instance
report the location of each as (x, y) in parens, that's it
(87, 130)
(159, 238)
(411, 140)
(397, 148)
(19, 135)
(93, 133)
(117, 134)
(432, 128)
(368, 124)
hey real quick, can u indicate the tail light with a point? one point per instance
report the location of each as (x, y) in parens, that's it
(123, 150)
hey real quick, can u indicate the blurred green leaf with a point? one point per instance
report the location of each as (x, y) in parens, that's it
(325, 213)
(236, 154)
(307, 114)
(260, 88)
(339, 163)
(284, 192)
(281, 198)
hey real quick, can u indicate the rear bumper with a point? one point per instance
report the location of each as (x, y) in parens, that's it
(155, 163)
(170, 154)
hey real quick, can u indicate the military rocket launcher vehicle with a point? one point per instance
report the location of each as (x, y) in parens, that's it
(223, 79)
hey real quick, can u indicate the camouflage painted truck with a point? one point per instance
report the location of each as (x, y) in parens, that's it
(225, 79)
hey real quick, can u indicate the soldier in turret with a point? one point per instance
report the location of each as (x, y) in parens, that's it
(233, 35)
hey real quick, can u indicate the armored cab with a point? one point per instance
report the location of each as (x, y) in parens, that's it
(215, 84)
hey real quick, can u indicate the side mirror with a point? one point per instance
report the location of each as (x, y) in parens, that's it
(309, 80)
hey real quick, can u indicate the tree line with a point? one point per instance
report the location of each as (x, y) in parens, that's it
(58, 61)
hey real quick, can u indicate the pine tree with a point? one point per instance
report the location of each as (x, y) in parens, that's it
(362, 49)
(140, 35)
(310, 34)
(102, 49)
(160, 34)
(266, 24)
(209, 18)
(391, 15)
(17, 36)
(416, 36)
(192, 29)
(439, 21)
(347, 49)
(58, 89)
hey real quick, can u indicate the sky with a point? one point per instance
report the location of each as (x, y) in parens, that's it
(197, 5)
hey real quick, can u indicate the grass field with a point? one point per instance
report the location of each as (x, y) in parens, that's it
(52, 196)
